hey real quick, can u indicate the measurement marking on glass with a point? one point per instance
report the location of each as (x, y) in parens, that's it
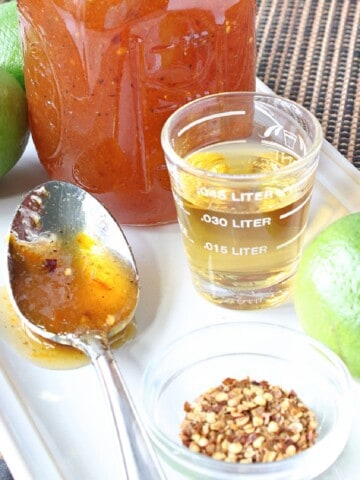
(210, 117)
(185, 232)
(285, 244)
(180, 204)
(299, 207)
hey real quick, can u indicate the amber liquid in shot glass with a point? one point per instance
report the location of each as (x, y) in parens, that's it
(243, 201)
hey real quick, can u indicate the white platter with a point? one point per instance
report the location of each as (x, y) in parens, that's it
(54, 423)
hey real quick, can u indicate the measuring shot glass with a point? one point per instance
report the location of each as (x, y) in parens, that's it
(242, 168)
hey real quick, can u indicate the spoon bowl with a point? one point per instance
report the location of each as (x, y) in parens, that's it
(58, 212)
(60, 222)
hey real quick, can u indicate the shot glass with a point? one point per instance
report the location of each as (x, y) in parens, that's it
(242, 168)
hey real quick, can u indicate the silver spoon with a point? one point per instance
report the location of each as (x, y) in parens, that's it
(63, 210)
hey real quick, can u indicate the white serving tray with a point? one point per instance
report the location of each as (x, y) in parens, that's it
(54, 423)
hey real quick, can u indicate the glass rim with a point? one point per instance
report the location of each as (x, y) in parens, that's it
(151, 383)
(175, 159)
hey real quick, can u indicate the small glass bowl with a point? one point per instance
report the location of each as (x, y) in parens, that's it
(262, 351)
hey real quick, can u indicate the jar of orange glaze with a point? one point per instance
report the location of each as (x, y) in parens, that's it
(103, 75)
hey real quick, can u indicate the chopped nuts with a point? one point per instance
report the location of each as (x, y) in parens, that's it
(247, 421)
(273, 427)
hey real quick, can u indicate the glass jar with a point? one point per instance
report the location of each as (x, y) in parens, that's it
(102, 76)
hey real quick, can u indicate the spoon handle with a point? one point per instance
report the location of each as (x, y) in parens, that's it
(138, 459)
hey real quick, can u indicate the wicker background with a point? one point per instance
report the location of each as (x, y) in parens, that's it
(309, 51)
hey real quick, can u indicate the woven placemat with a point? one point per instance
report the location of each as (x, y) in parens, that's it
(309, 51)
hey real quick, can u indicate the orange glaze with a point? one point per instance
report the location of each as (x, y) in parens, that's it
(41, 352)
(73, 287)
(102, 77)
